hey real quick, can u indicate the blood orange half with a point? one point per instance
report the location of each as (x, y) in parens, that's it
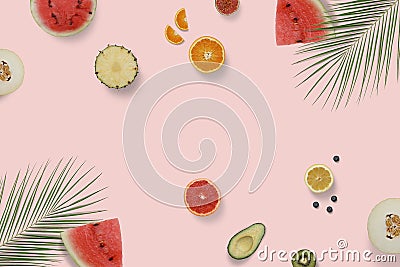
(202, 197)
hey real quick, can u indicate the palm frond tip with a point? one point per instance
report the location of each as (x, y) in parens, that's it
(39, 206)
(355, 53)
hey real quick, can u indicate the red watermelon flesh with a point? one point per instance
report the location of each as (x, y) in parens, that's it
(63, 17)
(96, 244)
(297, 21)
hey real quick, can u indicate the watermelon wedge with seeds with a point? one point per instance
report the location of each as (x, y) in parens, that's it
(96, 244)
(297, 21)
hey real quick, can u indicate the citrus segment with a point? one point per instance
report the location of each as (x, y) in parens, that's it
(207, 54)
(319, 178)
(181, 20)
(202, 197)
(172, 36)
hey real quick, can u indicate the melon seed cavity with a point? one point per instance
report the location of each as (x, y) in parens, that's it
(392, 226)
(5, 73)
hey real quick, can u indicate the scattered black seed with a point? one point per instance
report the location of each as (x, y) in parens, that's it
(54, 17)
(334, 198)
(96, 224)
(102, 245)
(299, 41)
(315, 204)
(49, 3)
(96, 72)
(336, 158)
(111, 258)
(295, 20)
(90, 12)
(288, 5)
(388, 236)
(8, 79)
(329, 209)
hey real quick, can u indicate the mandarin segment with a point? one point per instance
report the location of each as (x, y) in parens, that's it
(172, 36)
(181, 20)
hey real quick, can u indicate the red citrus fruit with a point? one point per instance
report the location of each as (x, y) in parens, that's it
(202, 197)
(227, 7)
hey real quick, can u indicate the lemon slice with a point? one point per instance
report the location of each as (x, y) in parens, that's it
(318, 178)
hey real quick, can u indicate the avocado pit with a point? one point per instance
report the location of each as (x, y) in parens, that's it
(245, 243)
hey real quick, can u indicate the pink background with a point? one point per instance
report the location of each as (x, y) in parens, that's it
(62, 110)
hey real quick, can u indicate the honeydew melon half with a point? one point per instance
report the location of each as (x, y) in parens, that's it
(11, 71)
(384, 226)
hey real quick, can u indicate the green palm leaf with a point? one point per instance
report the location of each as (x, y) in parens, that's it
(356, 52)
(39, 207)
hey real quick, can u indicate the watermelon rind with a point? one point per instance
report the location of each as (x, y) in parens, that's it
(38, 20)
(71, 250)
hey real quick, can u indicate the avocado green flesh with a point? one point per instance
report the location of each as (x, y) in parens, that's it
(245, 243)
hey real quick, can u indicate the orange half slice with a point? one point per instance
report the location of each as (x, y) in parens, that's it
(181, 20)
(172, 36)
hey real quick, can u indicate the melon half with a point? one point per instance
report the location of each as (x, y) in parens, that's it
(384, 226)
(11, 71)
(63, 17)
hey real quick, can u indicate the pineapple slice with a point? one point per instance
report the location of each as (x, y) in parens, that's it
(116, 66)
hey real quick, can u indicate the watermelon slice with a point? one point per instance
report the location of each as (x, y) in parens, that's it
(95, 245)
(63, 17)
(297, 21)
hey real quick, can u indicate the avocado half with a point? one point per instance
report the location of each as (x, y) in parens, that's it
(243, 244)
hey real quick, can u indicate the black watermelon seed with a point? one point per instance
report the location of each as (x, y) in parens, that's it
(315, 204)
(288, 5)
(334, 198)
(111, 258)
(336, 158)
(329, 209)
